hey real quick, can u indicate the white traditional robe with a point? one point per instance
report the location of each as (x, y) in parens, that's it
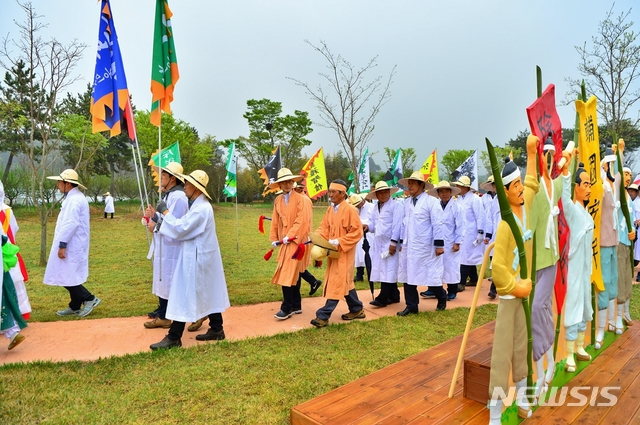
(452, 234)
(366, 216)
(178, 206)
(636, 246)
(473, 218)
(385, 227)
(577, 303)
(108, 204)
(423, 232)
(491, 216)
(72, 227)
(199, 287)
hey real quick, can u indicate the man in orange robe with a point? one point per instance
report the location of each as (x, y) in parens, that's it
(306, 261)
(289, 227)
(342, 227)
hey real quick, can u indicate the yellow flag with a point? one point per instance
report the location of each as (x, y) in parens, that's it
(315, 179)
(589, 148)
(430, 168)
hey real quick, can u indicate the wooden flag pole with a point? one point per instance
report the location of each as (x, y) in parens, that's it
(467, 330)
(160, 193)
(135, 165)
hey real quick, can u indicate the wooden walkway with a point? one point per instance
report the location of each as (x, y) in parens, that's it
(414, 391)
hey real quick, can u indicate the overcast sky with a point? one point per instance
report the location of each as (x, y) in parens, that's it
(465, 68)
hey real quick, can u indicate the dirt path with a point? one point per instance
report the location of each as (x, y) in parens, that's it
(87, 339)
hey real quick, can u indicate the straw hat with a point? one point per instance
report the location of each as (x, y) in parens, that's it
(175, 169)
(284, 174)
(633, 186)
(381, 185)
(443, 184)
(489, 185)
(319, 241)
(417, 176)
(107, 194)
(199, 179)
(69, 176)
(463, 181)
(355, 199)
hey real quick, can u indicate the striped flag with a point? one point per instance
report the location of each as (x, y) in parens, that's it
(230, 183)
(164, 68)
(110, 94)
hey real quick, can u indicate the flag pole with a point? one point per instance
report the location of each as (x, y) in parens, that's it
(160, 193)
(237, 231)
(135, 165)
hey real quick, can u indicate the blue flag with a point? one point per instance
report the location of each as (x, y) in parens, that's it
(110, 93)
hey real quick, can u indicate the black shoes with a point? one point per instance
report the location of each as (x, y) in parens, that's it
(442, 305)
(166, 343)
(377, 303)
(358, 279)
(315, 286)
(407, 312)
(211, 335)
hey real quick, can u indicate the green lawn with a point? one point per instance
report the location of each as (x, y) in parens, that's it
(254, 381)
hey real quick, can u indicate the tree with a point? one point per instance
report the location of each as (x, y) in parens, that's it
(268, 129)
(249, 185)
(453, 159)
(112, 156)
(50, 66)
(408, 159)
(194, 152)
(350, 103)
(519, 143)
(611, 68)
(337, 167)
(14, 104)
(501, 153)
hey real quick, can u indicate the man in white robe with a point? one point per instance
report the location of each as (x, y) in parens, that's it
(68, 263)
(199, 287)
(165, 250)
(577, 310)
(473, 218)
(109, 208)
(633, 193)
(385, 226)
(422, 244)
(365, 209)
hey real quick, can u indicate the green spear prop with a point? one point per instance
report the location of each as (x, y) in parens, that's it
(507, 215)
(623, 202)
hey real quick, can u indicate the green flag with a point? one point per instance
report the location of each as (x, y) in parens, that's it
(230, 183)
(169, 154)
(164, 68)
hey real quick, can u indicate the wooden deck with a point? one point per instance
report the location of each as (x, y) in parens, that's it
(414, 391)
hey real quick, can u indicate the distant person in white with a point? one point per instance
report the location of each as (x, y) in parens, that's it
(108, 205)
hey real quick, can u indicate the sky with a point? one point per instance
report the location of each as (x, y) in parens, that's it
(465, 69)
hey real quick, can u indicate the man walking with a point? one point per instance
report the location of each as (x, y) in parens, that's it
(342, 228)
(199, 287)
(68, 264)
(166, 250)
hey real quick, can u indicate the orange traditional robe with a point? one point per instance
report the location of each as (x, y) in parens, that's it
(343, 224)
(289, 219)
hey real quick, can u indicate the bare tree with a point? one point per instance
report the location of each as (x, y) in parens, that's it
(349, 102)
(611, 68)
(50, 65)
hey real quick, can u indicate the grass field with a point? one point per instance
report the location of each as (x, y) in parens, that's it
(254, 381)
